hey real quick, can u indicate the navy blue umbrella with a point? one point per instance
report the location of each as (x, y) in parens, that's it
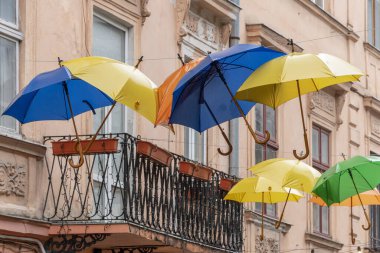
(205, 95)
(57, 95)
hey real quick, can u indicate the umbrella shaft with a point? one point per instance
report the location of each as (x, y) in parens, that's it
(300, 100)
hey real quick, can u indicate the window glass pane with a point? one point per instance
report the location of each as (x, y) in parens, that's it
(258, 207)
(259, 153)
(118, 119)
(315, 141)
(325, 220)
(316, 218)
(325, 148)
(8, 11)
(271, 210)
(8, 78)
(271, 122)
(271, 153)
(259, 118)
(109, 41)
(98, 116)
(187, 142)
(377, 23)
(370, 21)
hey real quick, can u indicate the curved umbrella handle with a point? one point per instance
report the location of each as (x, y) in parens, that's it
(368, 221)
(302, 157)
(267, 138)
(78, 146)
(230, 148)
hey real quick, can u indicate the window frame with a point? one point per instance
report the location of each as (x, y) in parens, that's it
(15, 26)
(375, 30)
(319, 165)
(10, 32)
(272, 144)
(192, 146)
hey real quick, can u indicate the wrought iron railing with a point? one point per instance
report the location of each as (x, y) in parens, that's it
(127, 187)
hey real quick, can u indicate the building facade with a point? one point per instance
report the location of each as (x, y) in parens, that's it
(122, 202)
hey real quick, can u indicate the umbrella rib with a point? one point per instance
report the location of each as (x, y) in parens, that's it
(312, 79)
(64, 101)
(238, 65)
(363, 177)
(239, 56)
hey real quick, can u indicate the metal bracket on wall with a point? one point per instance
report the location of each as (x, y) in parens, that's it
(72, 243)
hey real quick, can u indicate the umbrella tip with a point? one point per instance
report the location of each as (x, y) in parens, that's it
(59, 61)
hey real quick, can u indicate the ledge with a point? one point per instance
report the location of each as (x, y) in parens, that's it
(323, 241)
(17, 226)
(268, 36)
(23, 146)
(330, 20)
(225, 10)
(269, 222)
(372, 49)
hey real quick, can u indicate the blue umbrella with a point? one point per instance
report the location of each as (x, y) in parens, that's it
(205, 95)
(57, 95)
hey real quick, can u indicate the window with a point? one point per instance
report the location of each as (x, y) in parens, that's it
(9, 40)
(319, 3)
(374, 22)
(8, 12)
(266, 120)
(320, 150)
(374, 232)
(195, 145)
(110, 40)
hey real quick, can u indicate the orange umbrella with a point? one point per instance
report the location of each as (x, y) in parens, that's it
(371, 197)
(165, 92)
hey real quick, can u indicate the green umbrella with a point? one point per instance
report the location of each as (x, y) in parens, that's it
(349, 178)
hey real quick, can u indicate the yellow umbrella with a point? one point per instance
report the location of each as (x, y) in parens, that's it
(371, 197)
(295, 74)
(123, 83)
(292, 174)
(261, 189)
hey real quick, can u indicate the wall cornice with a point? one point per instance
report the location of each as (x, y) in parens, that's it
(330, 20)
(371, 49)
(372, 104)
(23, 146)
(269, 222)
(323, 241)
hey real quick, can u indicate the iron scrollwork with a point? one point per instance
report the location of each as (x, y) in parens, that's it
(72, 243)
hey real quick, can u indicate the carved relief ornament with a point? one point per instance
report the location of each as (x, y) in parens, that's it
(182, 8)
(12, 180)
(144, 11)
(266, 245)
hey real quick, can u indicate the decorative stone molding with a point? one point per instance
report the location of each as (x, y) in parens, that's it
(329, 104)
(266, 245)
(323, 101)
(182, 8)
(264, 35)
(375, 126)
(323, 241)
(225, 33)
(12, 180)
(23, 146)
(144, 11)
(269, 222)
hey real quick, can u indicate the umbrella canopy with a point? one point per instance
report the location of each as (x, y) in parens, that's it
(165, 91)
(349, 178)
(293, 174)
(47, 95)
(264, 190)
(293, 75)
(123, 83)
(253, 189)
(57, 95)
(204, 96)
(371, 197)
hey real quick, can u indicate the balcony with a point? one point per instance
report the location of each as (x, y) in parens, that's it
(125, 187)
